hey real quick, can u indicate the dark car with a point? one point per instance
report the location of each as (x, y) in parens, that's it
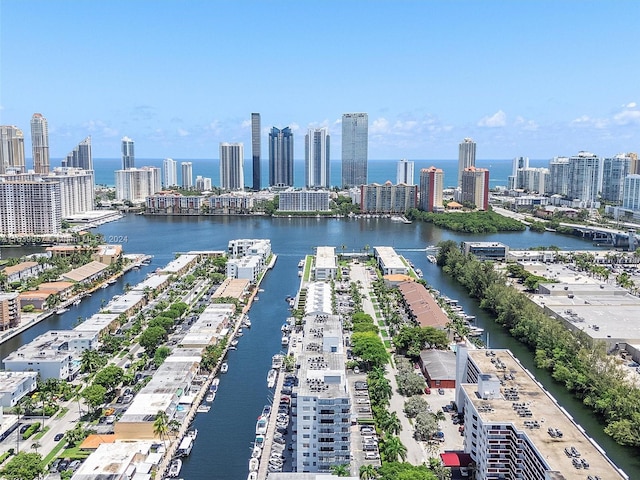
(54, 465)
(58, 437)
(24, 427)
(62, 466)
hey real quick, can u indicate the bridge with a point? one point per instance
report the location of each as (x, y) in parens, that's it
(608, 236)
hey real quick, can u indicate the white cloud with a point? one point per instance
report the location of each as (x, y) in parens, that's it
(587, 121)
(294, 127)
(246, 123)
(498, 119)
(631, 105)
(627, 117)
(525, 124)
(380, 125)
(183, 133)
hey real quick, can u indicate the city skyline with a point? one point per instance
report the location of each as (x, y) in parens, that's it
(523, 90)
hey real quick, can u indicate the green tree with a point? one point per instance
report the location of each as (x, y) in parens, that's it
(151, 338)
(161, 354)
(109, 377)
(392, 449)
(161, 424)
(415, 405)
(94, 396)
(368, 472)
(24, 466)
(91, 361)
(340, 470)
(369, 348)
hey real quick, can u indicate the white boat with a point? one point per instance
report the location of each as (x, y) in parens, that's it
(214, 385)
(261, 426)
(247, 323)
(277, 361)
(174, 468)
(210, 397)
(285, 340)
(252, 476)
(432, 258)
(104, 285)
(112, 281)
(475, 331)
(254, 464)
(203, 409)
(193, 433)
(271, 378)
(259, 440)
(257, 452)
(266, 411)
(77, 302)
(224, 368)
(256, 298)
(184, 449)
(234, 343)
(60, 311)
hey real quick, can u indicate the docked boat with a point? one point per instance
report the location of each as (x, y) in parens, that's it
(271, 378)
(419, 272)
(210, 397)
(224, 368)
(432, 258)
(193, 433)
(104, 285)
(259, 442)
(203, 409)
(184, 449)
(301, 263)
(276, 361)
(252, 476)
(77, 302)
(247, 323)
(214, 385)
(261, 426)
(254, 464)
(266, 411)
(60, 311)
(112, 281)
(475, 331)
(256, 298)
(174, 468)
(285, 340)
(256, 452)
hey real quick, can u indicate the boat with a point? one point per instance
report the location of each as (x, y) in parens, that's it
(252, 476)
(266, 411)
(60, 311)
(254, 463)
(214, 385)
(261, 425)
(184, 449)
(301, 263)
(277, 360)
(174, 468)
(285, 340)
(432, 258)
(112, 281)
(247, 323)
(233, 347)
(77, 302)
(210, 397)
(234, 343)
(224, 368)
(256, 298)
(419, 272)
(193, 433)
(259, 442)
(203, 409)
(475, 331)
(271, 378)
(104, 285)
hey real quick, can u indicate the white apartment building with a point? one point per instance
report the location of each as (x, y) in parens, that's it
(247, 246)
(231, 203)
(389, 261)
(631, 194)
(203, 184)
(232, 166)
(16, 385)
(135, 184)
(404, 172)
(388, 198)
(11, 149)
(247, 268)
(174, 203)
(30, 207)
(169, 172)
(77, 189)
(326, 263)
(303, 201)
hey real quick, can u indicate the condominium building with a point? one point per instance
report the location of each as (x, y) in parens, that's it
(128, 154)
(519, 163)
(532, 179)
(614, 171)
(11, 149)
(231, 203)
(255, 151)
(431, 186)
(169, 172)
(30, 208)
(304, 201)
(404, 172)
(203, 184)
(475, 187)
(186, 169)
(355, 149)
(388, 198)
(466, 157)
(281, 157)
(317, 158)
(634, 168)
(77, 189)
(135, 184)
(585, 177)
(325, 266)
(14, 386)
(174, 204)
(631, 193)
(80, 156)
(9, 310)
(40, 143)
(231, 166)
(558, 179)
(514, 429)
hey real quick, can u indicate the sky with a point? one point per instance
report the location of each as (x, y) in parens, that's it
(536, 78)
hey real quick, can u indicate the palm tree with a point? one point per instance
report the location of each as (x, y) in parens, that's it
(36, 445)
(341, 470)
(392, 449)
(368, 472)
(390, 423)
(161, 425)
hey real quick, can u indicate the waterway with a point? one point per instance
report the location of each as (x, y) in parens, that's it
(226, 432)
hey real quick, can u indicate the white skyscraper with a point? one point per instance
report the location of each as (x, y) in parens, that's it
(11, 149)
(135, 184)
(170, 172)
(232, 166)
(128, 156)
(187, 175)
(30, 207)
(404, 172)
(585, 177)
(317, 158)
(466, 157)
(355, 149)
(81, 156)
(40, 143)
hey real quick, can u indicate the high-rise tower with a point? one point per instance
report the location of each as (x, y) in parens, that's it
(232, 166)
(255, 150)
(317, 158)
(355, 143)
(404, 172)
(11, 149)
(466, 157)
(281, 157)
(40, 143)
(81, 156)
(431, 186)
(170, 172)
(128, 156)
(187, 175)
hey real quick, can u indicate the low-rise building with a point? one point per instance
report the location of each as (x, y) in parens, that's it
(120, 461)
(421, 307)
(326, 263)
(180, 265)
(248, 268)
(23, 271)
(15, 385)
(486, 250)
(99, 324)
(107, 254)
(389, 262)
(9, 310)
(87, 273)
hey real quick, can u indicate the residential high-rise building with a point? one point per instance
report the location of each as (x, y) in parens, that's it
(475, 187)
(558, 179)
(466, 157)
(128, 154)
(30, 207)
(303, 201)
(135, 184)
(404, 172)
(388, 198)
(585, 177)
(355, 148)
(232, 166)
(81, 156)
(11, 149)
(317, 158)
(255, 150)
(431, 186)
(77, 189)
(40, 143)
(169, 172)
(281, 157)
(519, 163)
(186, 169)
(532, 179)
(634, 168)
(614, 171)
(9, 310)
(203, 184)
(631, 194)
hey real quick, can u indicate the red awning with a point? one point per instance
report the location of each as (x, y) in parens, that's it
(456, 459)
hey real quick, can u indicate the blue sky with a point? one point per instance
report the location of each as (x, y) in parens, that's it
(534, 78)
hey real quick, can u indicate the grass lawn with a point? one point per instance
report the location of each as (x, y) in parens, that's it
(40, 434)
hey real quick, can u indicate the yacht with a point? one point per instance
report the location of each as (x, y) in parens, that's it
(174, 468)
(203, 409)
(224, 368)
(285, 340)
(261, 426)
(432, 258)
(77, 302)
(184, 449)
(277, 361)
(247, 323)
(211, 396)
(214, 385)
(257, 452)
(254, 463)
(271, 378)
(60, 311)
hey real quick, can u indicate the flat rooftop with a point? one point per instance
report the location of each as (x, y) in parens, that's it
(232, 287)
(326, 258)
(179, 263)
(9, 381)
(97, 322)
(390, 258)
(318, 298)
(152, 282)
(544, 409)
(112, 460)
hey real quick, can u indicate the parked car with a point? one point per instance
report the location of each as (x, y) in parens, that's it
(24, 427)
(74, 465)
(58, 437)
(441, 391)
(427, 390)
